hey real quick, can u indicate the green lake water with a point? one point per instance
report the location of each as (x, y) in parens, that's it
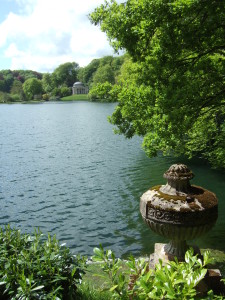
(62, 169)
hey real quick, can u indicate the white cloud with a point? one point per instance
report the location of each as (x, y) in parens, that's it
(46, 33)
(12, 51)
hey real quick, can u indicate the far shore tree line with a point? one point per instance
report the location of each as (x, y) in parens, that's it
(99, 75)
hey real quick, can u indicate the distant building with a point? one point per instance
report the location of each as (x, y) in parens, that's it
(79, 88)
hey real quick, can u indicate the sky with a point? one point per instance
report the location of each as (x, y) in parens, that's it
(40, 35)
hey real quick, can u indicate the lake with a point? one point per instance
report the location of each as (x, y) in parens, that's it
(62, 169)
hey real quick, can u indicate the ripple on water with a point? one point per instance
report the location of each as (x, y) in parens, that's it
(64, 171)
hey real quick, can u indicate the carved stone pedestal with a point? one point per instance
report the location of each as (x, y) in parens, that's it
(160, 253)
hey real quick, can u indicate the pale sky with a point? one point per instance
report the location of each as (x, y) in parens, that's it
(40, 35)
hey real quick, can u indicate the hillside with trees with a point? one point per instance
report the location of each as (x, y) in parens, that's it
(26, 85)
(11, 84)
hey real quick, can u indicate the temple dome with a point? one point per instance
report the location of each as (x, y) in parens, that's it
(78, 83)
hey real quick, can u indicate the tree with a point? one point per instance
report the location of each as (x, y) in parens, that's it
(47, 82)
(176, 100)
(101, 91)
(86, 74)
(104, 74)
(32, 87)
(2, 85)
(8, 81)
(101, 70)
(17, 90)
(66, 74)
(17, 87)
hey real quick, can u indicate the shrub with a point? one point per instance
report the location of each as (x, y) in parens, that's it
(16, 98)
(5, 97)
(45, 97)
(32, 267)
(55, 92)
(172, 281)
(101, 91)
(65, 91)
(54, 98)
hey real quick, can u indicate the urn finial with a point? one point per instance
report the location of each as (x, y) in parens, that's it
(178, 176)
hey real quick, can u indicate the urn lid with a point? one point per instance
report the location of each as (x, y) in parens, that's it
(178, 172)
(178, 194)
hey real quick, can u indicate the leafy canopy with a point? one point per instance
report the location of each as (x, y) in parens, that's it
(175, 98)
(65, 74)
(32, 87)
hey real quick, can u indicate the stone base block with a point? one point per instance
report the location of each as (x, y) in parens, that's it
(159, 253)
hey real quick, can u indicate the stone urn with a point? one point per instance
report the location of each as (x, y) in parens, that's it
(178, 210)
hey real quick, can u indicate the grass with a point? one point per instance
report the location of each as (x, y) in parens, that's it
(80, 97)
(86, 292)
(92, 287)
(218, 260)
(95, 283)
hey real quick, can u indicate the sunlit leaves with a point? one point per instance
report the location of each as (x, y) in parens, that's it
(177, 49)
(36, 267)
(175, 280)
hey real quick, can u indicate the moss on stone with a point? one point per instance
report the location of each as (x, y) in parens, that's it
(206, 198)
(167, 197)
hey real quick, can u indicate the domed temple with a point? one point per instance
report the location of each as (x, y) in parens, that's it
(79, 88)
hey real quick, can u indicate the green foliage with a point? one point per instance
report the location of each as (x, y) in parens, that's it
(88, 293)
(103, 92)
(17, 87)
(8, 77)
(104, 74)
(2, 85)
(23, 83)
(32, 87)
(65, 74)
(101, 70)
(176, 97)
(112, 266)
(85, 74)
(45, 97)
(34, 268)
(8, 81)
(16, 97)
(17, 93)
(65, 91)
(47, 83)
(61, 92)
(172, 281)
(5, 97)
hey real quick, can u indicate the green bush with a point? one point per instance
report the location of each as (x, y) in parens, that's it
(5, 97)
(101, 91)
(176, 280)
(65, 91)
(16, 97)
(36, 267)
(56, 92)
(45, 97)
